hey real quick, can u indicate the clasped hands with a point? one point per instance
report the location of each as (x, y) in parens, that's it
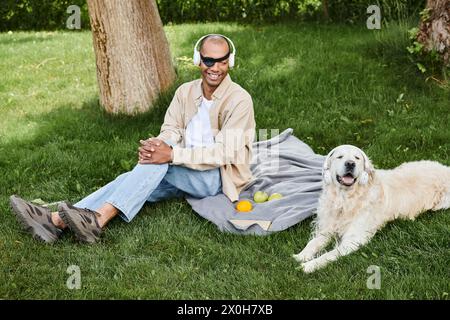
(154, 151)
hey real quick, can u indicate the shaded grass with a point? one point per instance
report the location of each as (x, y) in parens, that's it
(331, 84)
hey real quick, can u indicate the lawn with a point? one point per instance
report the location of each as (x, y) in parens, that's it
(331, 84)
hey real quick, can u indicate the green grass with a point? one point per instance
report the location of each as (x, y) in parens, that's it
(331, 84)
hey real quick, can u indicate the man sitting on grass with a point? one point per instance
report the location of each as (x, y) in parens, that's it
(204, 148)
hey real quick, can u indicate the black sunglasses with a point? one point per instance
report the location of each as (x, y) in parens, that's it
(209, 62)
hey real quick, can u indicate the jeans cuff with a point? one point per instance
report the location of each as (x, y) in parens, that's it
(122, 213)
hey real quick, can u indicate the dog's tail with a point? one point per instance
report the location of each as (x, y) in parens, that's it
(444, 202)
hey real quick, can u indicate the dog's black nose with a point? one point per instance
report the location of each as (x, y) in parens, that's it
(350, 164)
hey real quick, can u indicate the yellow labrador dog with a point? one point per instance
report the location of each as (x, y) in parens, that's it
(358, 200)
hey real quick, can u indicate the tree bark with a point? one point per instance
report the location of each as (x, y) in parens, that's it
(326, 14)
(132, 54)
(434, 29)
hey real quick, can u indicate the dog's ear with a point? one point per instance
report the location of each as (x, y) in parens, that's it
(326, 168)
(368, 170)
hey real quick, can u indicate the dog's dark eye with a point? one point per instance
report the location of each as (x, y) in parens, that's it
(357, 158)
(340, 157)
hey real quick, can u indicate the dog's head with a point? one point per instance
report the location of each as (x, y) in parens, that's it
(345, 165)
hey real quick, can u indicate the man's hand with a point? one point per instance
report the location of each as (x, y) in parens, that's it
(154, 151)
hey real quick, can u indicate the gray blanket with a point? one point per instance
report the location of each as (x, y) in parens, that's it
(282, 164)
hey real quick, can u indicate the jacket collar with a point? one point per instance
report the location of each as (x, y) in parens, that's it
(218, 93)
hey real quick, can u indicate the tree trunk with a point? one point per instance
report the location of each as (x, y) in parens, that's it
(326, 14)
(434, 29)
(132, 54)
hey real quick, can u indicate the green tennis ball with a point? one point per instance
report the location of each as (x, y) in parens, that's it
(275, 196)
(260, 196)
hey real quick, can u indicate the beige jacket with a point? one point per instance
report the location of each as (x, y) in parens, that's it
(232, 125)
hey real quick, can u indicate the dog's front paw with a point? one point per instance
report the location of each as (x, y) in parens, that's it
(309, 267)
(303, 256)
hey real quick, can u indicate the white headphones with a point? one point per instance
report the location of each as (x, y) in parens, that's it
(364, 179)
(326, 167)
(197, 58)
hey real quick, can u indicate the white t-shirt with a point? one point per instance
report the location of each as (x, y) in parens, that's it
(198, 131)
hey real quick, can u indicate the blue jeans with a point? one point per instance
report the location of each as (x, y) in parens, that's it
(152, 182)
